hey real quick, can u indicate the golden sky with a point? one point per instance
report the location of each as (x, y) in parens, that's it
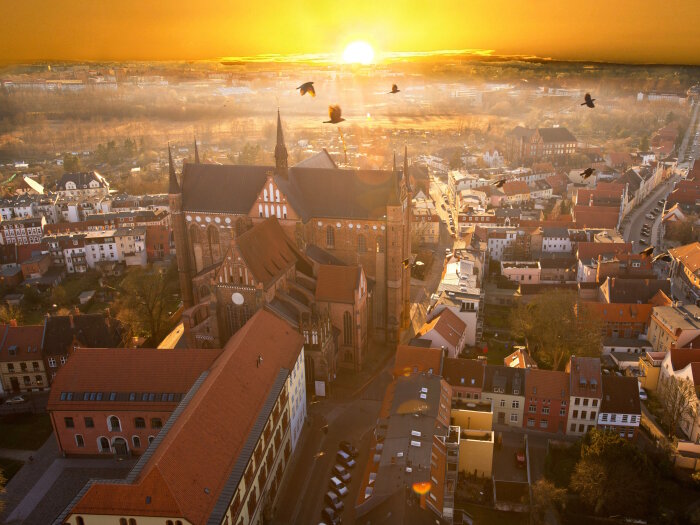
(610, 30)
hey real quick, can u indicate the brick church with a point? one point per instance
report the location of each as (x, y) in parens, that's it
(252, 237)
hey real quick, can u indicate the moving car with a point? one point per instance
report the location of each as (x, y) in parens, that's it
(341, 473)
(338, 487)
(15, 400)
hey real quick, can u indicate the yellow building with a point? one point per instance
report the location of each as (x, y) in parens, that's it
(649, 367)
(471, 429)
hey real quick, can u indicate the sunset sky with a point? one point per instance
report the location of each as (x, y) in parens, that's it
(607, 30)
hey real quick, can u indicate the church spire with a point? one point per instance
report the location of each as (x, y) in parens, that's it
(280, 149)
(406, 176)
(394, 168)
(196, 151)
(173, 187)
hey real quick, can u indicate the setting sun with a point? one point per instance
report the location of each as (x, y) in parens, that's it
(358, 53)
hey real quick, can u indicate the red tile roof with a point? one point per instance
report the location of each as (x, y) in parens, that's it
(682, 357)
(596, 217)
(126, 370)
(192, 463)
(688, 255)
(622, 312)
(267, 251)
(448, 325)
(415, 359)
(519, 359)
(548, 384)
(26, 341)
(585, 372)
(337, 284)
(591, 250)
(517, 187)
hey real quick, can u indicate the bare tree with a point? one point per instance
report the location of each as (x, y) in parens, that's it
(678, 399)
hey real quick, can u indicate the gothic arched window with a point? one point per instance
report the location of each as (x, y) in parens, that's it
(347, 328)
(361, 244)
(330, 237)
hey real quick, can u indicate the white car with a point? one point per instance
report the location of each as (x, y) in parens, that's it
(643, 394)
(15, 400)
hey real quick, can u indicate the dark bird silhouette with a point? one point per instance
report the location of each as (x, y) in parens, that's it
(647, 252)
(334, 113)
(665, 256)
(307, 87)
(499, 183)
(587, 172)
(588, 101)
(394, 89)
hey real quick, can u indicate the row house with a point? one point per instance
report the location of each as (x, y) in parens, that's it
(673, 326)
(505, 387)
(621, 320)
(588, 254)
(27, 231)
(127, 245)
(685, 270)
(68, 251)
(499, 241)
(74, 209)
(547, 400)
(585, 394)
(22, 366)
(82, 184)
(556, 240)
(227, 472)
(522, 271)
(446, 330)
(620, 408)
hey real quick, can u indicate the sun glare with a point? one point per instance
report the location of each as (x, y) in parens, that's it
(358, 53)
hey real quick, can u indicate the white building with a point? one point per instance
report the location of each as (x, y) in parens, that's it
(556, 240)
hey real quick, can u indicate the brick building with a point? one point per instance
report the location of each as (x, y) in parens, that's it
(546, 400)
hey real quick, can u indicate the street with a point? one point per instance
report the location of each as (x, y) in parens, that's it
(637, 218)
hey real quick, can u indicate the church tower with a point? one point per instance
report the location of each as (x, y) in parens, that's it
(406, 200)
(177, 218)
(281, 157)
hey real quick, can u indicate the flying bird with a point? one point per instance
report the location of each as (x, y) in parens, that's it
(334, 113)
(394, 89)
(647, 252)
(588, 101)
(499, 183)
(307, 87)
(587, 172)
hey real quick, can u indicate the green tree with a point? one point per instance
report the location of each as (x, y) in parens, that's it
(556, 326)
(59, 296)
(71, 163)
(682, 232)
(545, 496)
(9, 313)
(644, 143)
(613, 476)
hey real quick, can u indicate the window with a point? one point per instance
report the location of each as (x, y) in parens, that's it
(595, 402)
(89, 423)
(572, 428)
(503, 403)
(156, 422)
(562, 412)
(577, 401)
(544, 423)
(604, 417)
(584, 413)
(69, 422)
(624, 418)
(330, 237)
(575, 414)
(79, 521)
(361, 244)
(150, 439)
(515, 404)
(532, 409)
(139, 422)
(35, 365)
(530, 422)
(545, 410)
(514, 418)
(103, 444)
(114, 424)
(136, 441)
(132, 521)
(79, 441)
(347, 328)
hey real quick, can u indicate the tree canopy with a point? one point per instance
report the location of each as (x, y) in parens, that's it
(556, 326)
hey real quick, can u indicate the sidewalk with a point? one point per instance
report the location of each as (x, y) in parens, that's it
(18, 455)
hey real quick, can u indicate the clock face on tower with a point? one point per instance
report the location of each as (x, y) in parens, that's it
(237, 298)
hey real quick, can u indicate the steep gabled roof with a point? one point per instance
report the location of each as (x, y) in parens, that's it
(88, 330)
(203, 450)
(556, 135)
(688, 255)
(415, 360)
(620, 395)
(322, 159)
(460, 372)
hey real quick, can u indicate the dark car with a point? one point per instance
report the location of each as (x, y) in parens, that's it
(330, 516)
(348, 447)
(333, 500)
(342, 473)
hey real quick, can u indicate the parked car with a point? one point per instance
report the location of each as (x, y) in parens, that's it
(520, 461)
(348, 448)
(643, 394)
(330, 516)
(338, 487)
(341, 473)
(333, 500)
(15, 400)
(345, 459)
(650, 216)
(643, 242)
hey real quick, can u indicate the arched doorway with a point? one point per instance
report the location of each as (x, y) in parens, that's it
(120, 447)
